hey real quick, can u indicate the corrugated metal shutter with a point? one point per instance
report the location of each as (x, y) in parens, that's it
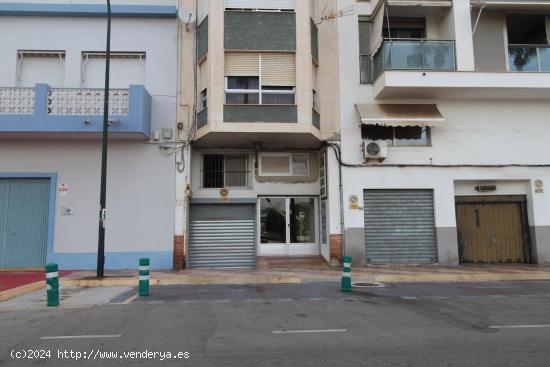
(278, 69)
(221, 244)
(242, 64)
(399, 226)
(260, 4)
(23, 223)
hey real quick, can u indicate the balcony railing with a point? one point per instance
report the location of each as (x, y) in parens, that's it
(529, 58)
(75, 110)
(412, 54)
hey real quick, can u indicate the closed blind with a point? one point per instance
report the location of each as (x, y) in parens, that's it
(242, 64)
(278, 69)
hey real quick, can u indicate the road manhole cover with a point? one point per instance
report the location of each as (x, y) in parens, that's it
(368, 285)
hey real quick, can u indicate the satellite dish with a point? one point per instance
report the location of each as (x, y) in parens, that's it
(187, 16)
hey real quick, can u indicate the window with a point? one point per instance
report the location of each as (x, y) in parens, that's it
(528, 48)
(315, 100)
(204, 99)
(254, 78)
(403, 136)
(284, 164)
(365, 29)
(408, 28)
(225, 171)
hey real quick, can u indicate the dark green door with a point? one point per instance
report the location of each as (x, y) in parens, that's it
(23, 222)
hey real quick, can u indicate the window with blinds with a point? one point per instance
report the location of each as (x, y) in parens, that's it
(260, 78)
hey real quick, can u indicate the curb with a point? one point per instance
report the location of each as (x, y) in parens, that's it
(456, 278)
(22, 290)
(177, 281)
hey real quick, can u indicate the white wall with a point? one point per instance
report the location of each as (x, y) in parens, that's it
(476, 132)
(140, 190)
(141, 179)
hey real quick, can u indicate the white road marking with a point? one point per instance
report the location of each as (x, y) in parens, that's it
(309, 331)
(284, 299)
(437, 297)
(222, 300)
(520, 326)
(157, 302)
(81, 336)
(409, 297)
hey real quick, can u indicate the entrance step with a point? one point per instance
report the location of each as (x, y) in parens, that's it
(285, 262)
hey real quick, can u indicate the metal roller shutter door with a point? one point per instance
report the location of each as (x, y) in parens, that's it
(222, 236)
(399, 226)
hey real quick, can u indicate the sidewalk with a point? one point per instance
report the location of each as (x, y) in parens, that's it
(370, 274)
(14, 283)
(291, 275)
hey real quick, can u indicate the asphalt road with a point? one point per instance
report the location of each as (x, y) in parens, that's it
(474, 324)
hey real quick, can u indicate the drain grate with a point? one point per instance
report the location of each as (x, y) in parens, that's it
(368, 285)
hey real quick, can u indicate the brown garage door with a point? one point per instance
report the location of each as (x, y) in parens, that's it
(492, 229)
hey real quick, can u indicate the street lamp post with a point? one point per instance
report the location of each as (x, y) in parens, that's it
(104, 140)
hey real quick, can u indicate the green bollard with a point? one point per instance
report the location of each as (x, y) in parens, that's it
(346, 275)
(52, 285)
(143, 277)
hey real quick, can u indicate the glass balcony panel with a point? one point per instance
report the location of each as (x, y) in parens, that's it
(544, 54)
(523, 59)
(406, 55)
(439, 55)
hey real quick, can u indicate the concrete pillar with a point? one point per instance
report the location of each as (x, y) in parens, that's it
(462, 24)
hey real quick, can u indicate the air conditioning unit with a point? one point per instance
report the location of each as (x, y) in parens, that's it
(375, 149)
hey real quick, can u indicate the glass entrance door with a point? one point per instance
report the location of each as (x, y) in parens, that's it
(287, 226)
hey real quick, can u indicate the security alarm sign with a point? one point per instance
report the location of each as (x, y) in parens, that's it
(63, 189)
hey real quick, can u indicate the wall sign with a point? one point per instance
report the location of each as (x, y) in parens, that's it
(539, 186)
(63, 189)
(353, 202)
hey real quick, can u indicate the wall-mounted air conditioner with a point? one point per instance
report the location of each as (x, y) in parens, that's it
(375, 149)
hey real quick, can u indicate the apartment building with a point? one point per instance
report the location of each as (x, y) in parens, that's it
(52, 68)
(267, 99)
(444, 118)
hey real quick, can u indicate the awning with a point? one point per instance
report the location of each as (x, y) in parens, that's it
(513, 4)
(400, 114)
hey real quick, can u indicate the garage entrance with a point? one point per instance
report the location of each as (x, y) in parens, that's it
(492, 229)
(222, 236)
(24, 205)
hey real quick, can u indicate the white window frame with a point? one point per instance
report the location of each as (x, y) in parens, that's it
(260, 90)
(290, 172)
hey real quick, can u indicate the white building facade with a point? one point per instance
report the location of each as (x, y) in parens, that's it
(453, 96)
(52, 69)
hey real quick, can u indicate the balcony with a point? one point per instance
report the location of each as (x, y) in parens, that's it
(529, 58)
(74, 112)
(401, 54)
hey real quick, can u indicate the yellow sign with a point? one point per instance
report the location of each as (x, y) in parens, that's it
(353, 202)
